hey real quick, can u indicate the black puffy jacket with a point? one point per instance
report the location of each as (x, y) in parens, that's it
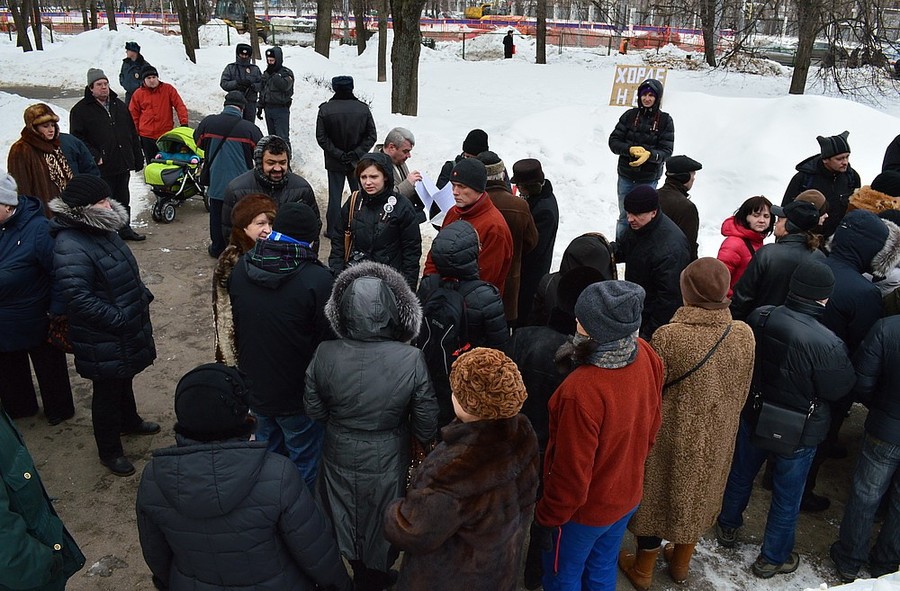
(278, 292)
(768, 276)
(877, 363)
(391, 238)
(836, 186)
(277, 83)
(345, 126)
(650, 128)
(107, 303)
(799, 361)
(110, 136)
(231, 515)
(654, 258)
(536, 264)
(293, 189)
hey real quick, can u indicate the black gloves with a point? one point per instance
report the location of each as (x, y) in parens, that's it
(244, 85)
(542, 537)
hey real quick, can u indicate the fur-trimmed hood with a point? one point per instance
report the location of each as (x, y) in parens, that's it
(889, 256)
(380, 306)
(87, 217)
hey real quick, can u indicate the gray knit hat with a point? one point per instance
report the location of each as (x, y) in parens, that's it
(95, 74)
(9, 191)
(610, 310)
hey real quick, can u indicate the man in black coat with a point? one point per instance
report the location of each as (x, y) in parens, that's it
(675, 202)
(103, 123)
(655, 252)
(345, 130)
(278, 293)
(892, 154)
(802, 366)
(829, 172)
(528, 176)
(271, 176)
(244, 76)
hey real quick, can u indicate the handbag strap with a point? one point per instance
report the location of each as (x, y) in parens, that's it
(218, 147)
(702, 361)
(348, 234)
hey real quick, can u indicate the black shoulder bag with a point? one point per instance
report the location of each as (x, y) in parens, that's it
(702, 362)
(779, 429)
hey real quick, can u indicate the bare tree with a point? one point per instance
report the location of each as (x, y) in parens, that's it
(110, 7)
(94, 17)
(405, 56)
(383, 9)
(809, 23)
(21, 10)
(250, 17)
(85, 23)
(708, 26)
(36, 25)
(323, 27)
(189, 23)
(359, 18)
(540, 46)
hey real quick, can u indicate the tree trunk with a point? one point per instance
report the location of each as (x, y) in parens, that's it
(708, 26)
(94, 24)
(323, 27)
(20, 12)
(541, 38)
(110, 7)
(250, 13)
(36, 25)
(809, 14)
(359, 18)
(382, 40)
(184, 23)
(405, 56)
(85, 23)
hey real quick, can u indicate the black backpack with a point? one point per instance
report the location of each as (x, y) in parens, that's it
(444, 335)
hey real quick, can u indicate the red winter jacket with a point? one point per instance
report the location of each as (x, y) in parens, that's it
(734, 252)
(151, 110)
(603, 423)
(493, 233)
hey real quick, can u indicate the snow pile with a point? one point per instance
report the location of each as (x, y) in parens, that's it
(889, 582)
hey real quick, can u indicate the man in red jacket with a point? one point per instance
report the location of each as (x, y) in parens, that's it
(151, 109)
(603, 422)
(469, 179)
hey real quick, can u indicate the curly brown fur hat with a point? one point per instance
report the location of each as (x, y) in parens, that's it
(487, 384)
(244, 212)
(39, 113)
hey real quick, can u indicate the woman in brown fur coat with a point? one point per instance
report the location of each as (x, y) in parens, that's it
(463, 521)
(251, 220)
(688, 467)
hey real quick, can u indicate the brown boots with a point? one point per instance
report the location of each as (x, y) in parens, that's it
(679, 558)
(639, 569)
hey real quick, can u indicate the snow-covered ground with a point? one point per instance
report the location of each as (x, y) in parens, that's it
(745, 129)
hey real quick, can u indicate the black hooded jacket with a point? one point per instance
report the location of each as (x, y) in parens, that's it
(650, 128)
(836, 186)
(536, 263)
(242, 75)
(277, 83)
(877, 363)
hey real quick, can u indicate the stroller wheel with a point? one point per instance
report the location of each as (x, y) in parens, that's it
(168, 213)
(156, 212)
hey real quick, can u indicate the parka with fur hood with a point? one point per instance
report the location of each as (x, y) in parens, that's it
(372, 390)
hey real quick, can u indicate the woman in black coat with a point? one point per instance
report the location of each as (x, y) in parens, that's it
(108, 308)
(384, 228)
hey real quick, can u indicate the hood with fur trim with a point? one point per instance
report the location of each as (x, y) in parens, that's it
(888, 257)
(373, 302)
(87, 217)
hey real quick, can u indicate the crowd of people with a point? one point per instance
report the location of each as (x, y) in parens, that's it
(476, 411)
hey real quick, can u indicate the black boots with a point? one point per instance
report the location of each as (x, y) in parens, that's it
(127, 232)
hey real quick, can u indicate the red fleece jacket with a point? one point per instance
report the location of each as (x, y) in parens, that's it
(493, 233)
(603, 423)
(151, 110)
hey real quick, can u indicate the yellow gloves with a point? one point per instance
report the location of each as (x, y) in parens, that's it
(639, 154)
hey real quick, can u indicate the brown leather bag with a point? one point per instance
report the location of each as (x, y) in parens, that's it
(348, 235)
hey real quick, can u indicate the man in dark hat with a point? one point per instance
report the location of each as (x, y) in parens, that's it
(791, 345)
(244, 76)
(215, 491)
(345, 130)
(675, 202)
(469, 178)
(655, 252)
(276, 95)
(228, 142)
(830, 172)
(278, 293)
(475, 143)
(132, 65)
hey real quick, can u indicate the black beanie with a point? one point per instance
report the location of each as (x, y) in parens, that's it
(680, 168)
(148, 71)
(813, 281)
(641, 199)
(235, 98)
(888, 182)
(470, 172)
(834, 145)
(476, 142)
(298, 221)
(85, 189)
(133, 46)
(212, 403)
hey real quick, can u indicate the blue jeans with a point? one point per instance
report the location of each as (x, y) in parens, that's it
(876, 471)
(584, 557)
(278, 122)
(296, 436)
(624, 187)
(788, 480)
(335, 199)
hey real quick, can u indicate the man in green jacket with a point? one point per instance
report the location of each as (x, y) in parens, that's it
(36, 551)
